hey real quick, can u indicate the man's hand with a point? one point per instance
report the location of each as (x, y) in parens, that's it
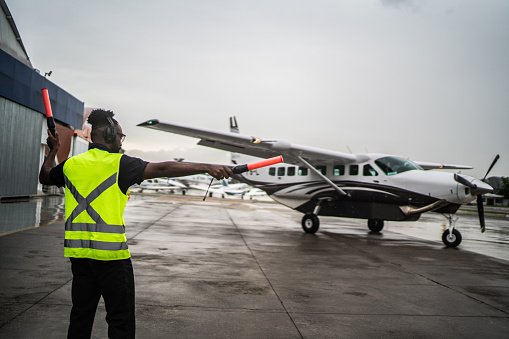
(53, 142)
(220, 172)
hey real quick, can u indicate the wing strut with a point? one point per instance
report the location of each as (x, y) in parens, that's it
(327, 180)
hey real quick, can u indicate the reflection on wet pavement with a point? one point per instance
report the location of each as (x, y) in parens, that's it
(17, 215)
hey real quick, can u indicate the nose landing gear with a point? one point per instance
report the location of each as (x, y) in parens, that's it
(451, 236)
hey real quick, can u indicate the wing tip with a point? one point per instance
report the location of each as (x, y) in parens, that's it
(151, 122)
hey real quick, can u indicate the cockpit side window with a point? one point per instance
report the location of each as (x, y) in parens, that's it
(395, 165)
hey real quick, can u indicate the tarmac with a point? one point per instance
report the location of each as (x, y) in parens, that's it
(224, 268)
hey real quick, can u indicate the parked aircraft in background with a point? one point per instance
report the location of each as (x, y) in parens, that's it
(160, 184)
(376, 187)
(223, 188)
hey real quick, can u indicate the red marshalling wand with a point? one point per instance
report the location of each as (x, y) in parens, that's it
(49, 115)
(254, 165)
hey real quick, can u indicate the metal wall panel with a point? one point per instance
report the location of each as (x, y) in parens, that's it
(22, 84)
(20, 142)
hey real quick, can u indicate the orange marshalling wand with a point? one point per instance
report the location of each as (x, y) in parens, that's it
(254, 165)
(49, 115)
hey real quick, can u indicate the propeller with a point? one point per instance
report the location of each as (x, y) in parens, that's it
(480, 206)
(491, 166)
(480, 212)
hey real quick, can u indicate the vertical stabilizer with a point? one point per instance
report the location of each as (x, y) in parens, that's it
(234, 127)
(238, 158)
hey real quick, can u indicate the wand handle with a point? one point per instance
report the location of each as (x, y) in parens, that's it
(49, 115)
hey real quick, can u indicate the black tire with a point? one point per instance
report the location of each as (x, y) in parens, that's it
(375, 225)
(310, 223)
(451, 240)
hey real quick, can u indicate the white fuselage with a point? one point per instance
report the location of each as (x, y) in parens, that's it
(293, 185)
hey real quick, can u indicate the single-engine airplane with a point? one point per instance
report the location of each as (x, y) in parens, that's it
(376, 187)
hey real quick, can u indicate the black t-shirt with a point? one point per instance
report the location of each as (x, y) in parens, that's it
(130, 171)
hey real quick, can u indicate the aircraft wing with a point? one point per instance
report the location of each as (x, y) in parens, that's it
(234, 142)
(434, 165)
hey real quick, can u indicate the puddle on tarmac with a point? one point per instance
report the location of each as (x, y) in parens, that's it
(16, 215)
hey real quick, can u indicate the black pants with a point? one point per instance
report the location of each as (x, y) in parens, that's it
(114, 281)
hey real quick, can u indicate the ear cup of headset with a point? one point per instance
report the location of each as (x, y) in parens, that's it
(110, 132)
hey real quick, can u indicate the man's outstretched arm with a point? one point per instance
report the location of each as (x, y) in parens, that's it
(178, 169)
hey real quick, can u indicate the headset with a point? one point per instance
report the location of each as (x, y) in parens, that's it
(110, 132)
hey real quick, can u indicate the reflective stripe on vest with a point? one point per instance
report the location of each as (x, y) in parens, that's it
(94, 238)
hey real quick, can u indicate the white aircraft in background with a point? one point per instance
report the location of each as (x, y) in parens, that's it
(223, 188)
(159, 184)
(316, 181)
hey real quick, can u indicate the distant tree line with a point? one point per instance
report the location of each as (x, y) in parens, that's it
(500, 185)
(504, 190)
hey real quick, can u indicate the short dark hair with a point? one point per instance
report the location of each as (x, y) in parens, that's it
(98, 118)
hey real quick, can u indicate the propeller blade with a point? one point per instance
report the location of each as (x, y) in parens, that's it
(492, 164)
(480, 210)
(464, 181)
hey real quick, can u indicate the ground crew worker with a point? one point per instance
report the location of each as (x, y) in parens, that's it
(96, 187)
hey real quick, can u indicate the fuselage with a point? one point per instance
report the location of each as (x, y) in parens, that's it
(375, 186)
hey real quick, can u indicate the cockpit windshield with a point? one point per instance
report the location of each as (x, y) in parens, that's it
(395, 165)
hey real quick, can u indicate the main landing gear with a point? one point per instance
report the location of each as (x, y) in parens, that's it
(311, 224)
(375, 225)
(451, 237)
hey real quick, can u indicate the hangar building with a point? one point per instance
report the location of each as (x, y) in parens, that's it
(22, 116)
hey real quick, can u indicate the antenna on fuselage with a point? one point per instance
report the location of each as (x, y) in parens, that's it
(349, 150)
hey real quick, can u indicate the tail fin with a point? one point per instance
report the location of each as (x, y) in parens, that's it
(234, 127)
(238, 158)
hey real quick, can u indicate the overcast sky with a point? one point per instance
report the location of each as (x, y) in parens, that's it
(424, 79)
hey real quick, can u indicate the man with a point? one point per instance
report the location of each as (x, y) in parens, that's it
(96, 185)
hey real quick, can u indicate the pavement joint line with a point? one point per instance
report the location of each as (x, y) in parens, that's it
(152, 224)
(36, 303)
(31, 227)
(213, 309)
(263, 272)
(404, 268)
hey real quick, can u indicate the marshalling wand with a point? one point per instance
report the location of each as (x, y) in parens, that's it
(49, 115)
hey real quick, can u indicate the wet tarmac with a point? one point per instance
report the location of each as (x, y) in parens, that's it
(225, 268)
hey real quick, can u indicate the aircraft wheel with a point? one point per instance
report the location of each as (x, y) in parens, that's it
(451, 240)
(375, 225)
(310, 223)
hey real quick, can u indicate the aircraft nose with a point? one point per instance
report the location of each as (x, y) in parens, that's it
(482, 187)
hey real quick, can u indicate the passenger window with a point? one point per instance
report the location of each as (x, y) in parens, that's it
(303, 171)
(354, 169)
(339, 170)
(369, 171)
(291, 171)
(281, 171)
(272, 171)
(322, 169)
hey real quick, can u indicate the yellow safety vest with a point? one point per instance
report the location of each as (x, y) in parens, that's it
(94, 207)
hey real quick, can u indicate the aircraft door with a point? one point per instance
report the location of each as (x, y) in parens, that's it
(370, 173)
